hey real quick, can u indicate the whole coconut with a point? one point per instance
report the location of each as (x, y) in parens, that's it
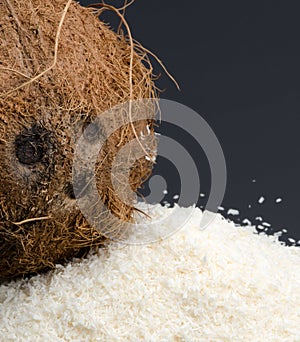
(60, 67)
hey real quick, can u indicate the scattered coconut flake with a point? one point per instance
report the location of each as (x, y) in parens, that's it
(266, 224)
(165, 192)
(221, 208)
(249, 206)
(247, 222)
(175, 197)
(259, 218)
(292, 240)
(284, 230)
(253, 180)
(202, 195)
(278, 200)
(166, 204)
(233, 212)
(261, 200)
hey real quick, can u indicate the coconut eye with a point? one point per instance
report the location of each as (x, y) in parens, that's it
(69, 191)
(31, 145)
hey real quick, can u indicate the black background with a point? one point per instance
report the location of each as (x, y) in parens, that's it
(237, 64)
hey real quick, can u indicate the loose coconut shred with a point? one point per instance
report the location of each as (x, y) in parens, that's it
(224, 283)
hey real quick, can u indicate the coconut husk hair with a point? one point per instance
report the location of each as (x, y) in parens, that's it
(60, 66)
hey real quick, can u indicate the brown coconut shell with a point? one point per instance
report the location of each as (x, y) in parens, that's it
(41, 118)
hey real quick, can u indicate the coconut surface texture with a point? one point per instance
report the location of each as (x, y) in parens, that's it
(223, 283)
(85, 70)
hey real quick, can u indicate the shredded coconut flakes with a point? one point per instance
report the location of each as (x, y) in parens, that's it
(223, 283)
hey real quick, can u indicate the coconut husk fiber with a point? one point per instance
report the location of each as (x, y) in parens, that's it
(60, 66)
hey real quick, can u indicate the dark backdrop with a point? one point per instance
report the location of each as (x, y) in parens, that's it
(237, 63)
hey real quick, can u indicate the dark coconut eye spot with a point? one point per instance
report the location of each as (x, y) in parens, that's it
(32, 144)
(69, 191)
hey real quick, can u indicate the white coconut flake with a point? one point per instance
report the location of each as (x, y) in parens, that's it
(261, 200)
(266, 224)
(175, 197)
(222, 283)
(233, 212)
(278, 200)
(202, 194)
(221, 208)
(259, 218)
(165, 192)
(166, 204)
(247, 222)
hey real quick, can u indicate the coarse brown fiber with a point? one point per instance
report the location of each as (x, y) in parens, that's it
(56, 76)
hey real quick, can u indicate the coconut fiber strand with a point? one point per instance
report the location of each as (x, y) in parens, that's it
(60, 67)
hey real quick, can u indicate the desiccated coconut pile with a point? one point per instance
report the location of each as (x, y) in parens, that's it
(224, 283)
